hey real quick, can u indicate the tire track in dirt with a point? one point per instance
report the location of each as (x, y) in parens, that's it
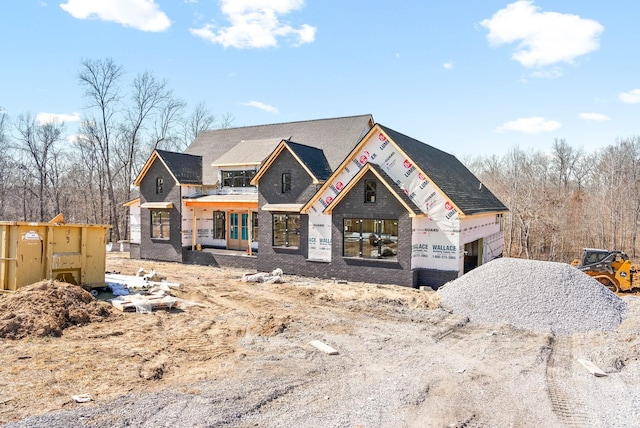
(558, 376)
(451, 326)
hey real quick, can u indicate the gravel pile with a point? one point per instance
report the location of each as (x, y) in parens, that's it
(534, 295)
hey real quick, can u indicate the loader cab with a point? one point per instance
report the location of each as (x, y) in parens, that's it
(592, 256)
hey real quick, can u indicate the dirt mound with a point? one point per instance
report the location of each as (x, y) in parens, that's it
(46, 308)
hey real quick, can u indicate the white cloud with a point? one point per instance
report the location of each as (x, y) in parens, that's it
(448, 65)
(598, 117)
(256, 24)
(261, 106)
(142, 15)
(543, 38)
(529, 125)
(550, 74)
(55, 117)
(631, 97)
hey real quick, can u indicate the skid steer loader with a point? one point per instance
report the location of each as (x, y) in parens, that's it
(613, 269)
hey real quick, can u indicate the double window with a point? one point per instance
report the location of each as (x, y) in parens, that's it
(237, 178)
(370, 238)
(286, 230)
(160, 224)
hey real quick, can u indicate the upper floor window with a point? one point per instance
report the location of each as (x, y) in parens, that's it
(159, 185)
(286, 182)
(369, 191)
(237, 178)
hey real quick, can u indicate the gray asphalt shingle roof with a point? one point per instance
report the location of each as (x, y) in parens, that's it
(313, 158)
(248, 152)
(336, 137)
(459, 184)
(187, 169)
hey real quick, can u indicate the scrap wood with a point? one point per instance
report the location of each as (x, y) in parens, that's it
(323, 347)
(593, 369)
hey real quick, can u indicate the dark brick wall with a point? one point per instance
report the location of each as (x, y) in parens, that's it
(350, 269)
(134, 251)
(290, 260)
(156, 249)
(270, 186)
(372, 270)
(434, 278)
(216, 260)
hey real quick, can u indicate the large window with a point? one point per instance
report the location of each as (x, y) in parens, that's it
(286, 230)
(219, 225)
(237, 178)
(160, 224)
(371, 238)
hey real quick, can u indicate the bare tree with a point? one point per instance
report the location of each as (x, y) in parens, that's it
(148, 97)
(100, 80)
(199, 120)
(164, 135)
(6, 163)
(37, 141)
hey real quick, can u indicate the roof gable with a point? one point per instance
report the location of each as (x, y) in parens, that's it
(184, 168)
(434, 180)
(455, 180)
(336, 136)
(387, 181)
(311, 159)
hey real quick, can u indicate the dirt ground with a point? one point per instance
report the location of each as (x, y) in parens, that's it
(243, 348)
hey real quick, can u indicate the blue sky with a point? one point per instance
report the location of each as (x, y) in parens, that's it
(468, 77)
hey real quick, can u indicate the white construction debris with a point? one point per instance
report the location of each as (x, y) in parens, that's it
(274, 277)
(143, 292)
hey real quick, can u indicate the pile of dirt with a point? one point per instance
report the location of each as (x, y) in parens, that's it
(535, 295)
(46, 308)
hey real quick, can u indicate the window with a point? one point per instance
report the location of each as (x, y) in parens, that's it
(219, 225)
(369, 191)
(286, 182)
(286, 230)
(160, 224)
(370, 238)
(159, 185)
(233, 226)
(245, 227)
(254, 232)
(237, 178)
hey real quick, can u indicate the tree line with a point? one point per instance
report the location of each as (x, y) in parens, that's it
(566, 200)
(88, 176)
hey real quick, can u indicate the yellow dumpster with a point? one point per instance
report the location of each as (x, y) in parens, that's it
(31, 252)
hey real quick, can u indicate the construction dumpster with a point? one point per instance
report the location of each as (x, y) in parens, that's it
(32, 252)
